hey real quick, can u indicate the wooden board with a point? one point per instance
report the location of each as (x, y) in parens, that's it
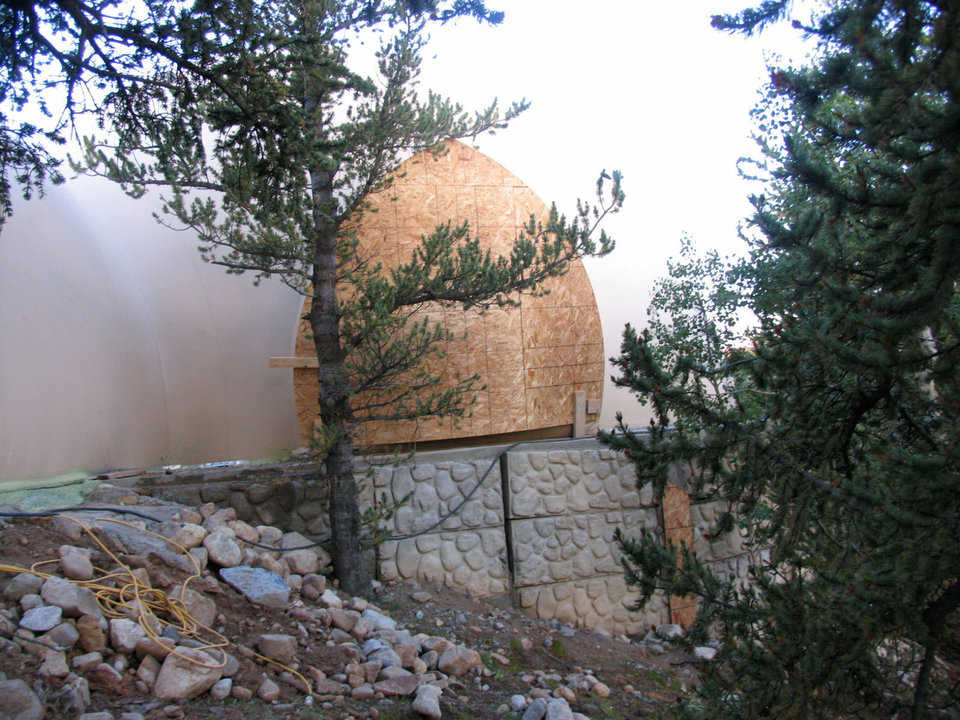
(532, 359)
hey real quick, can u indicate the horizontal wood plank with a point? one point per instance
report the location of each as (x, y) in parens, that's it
(293, 362)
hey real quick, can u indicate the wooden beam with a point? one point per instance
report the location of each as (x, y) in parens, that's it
(294, 362)
(579, 413)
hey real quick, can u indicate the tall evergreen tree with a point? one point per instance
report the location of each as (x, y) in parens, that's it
(830, 428)
(270, 162)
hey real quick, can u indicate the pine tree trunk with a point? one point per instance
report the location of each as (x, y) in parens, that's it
(334, 394)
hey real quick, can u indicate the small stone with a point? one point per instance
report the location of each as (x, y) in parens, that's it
(268, 691)
(125, 634)
(704, 653)
(92, 637)
(86, 662)
(30, 601)
(107, 676)
(75, 563)
(18, 701)
(62, 593)
(183, 675)
(189, 535)
(241, 693)
(363, 692)
(517, 702)
(64, 635)
(456, 660)
(54, 665)
(148, 671)
(221, 689)
(41, 619)
(22, 584)
(427, 701)
(258, 585)
(282, 648)
(558, 709)
(399, 685)
(536, 710)
(378, 620)
(223, 549)
(601, 690)
(330, 599)
(670, 631)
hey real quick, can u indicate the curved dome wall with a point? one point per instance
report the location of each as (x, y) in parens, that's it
(120, 347)
(532, 359)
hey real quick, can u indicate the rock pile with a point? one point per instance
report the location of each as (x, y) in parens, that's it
(170, 649)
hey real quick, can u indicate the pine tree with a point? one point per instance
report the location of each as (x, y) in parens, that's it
(830, 428)
(271, 165)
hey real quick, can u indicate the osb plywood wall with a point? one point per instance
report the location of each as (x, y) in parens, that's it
(531, 358)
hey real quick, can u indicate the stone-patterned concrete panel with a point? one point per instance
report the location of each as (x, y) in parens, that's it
(473, 561)
(434, 490)
(600, 603)
(704, 518)
(558, 482)
(556, 549)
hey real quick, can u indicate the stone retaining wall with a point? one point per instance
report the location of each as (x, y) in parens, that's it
(544, 537)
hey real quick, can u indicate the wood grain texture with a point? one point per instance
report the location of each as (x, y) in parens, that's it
(530, 359)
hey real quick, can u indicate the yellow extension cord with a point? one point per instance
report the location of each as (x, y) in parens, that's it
(150, 603)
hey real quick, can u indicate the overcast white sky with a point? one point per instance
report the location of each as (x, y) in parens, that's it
(647, 88)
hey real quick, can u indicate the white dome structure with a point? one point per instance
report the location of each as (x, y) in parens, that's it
(120, 347)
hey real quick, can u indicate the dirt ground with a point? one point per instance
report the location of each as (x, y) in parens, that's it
(642, 684)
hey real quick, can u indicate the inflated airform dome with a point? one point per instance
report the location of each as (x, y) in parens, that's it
(120, 347)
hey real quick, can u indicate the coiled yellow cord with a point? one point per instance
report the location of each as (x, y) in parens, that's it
(120, 593)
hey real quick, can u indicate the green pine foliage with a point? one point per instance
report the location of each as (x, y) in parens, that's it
(830, 428)
(270, 155)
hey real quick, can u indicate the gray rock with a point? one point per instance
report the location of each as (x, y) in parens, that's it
(378, 620)
(62, 593)
(704, 653)
(22, 584)
(102, 715)
(456, 660)
(536, 710)
(385, 656)
(330, 599)
(221, 689)
(30, 601)
(268, 690)
(125, 634)
(282, 648)
(86, 662)
(64, 635)
(189, 535)
(400, 685)
(201, 608)
(427, 701)
(54, 665)
(258, 585)
(517, 702)
(372, 645)
(223, 549)
(41, 619)
(558, 709)
(179, 678)
(18, 702)
(670, 631)
(75, 563)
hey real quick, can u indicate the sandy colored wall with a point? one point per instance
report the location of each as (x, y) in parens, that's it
(119, 347)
